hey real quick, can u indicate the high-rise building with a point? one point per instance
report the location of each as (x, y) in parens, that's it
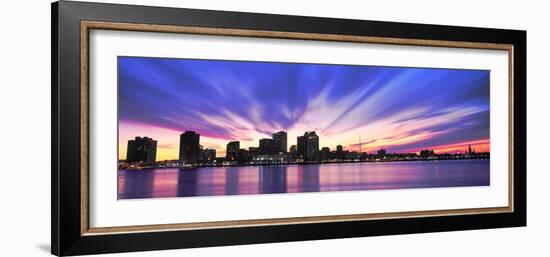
(232, 150)
(280, 140)
(243, 156)
(209, 154)
(301, 148)
(189, 147)
(312, 145)
(325, 154)
(201, 153)
(308, 146)
(267, 146)
(339, 154)
(142, 149)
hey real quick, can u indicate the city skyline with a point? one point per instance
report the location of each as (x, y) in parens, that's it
(359, 107)
(307, 149)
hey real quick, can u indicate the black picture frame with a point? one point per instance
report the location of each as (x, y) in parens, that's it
(66, 235)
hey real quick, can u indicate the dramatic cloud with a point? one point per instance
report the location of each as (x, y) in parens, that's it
(400, 109)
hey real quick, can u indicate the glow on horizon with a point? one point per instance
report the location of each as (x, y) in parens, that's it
(398, 109)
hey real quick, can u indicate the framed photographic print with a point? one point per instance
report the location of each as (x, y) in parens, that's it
(177, 128)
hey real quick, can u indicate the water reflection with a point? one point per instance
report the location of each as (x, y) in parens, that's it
(188, 182)
(309, 178)
(152, 183)
(138, 184)
(232, 181)
(272, 179)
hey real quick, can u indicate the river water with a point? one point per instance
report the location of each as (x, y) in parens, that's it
(211, 181)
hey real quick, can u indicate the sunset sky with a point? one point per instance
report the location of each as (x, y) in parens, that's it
(395, 108)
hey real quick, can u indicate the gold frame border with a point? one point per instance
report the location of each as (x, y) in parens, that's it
(86, 26)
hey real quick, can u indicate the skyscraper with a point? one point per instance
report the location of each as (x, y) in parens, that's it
(308, 146)
(339, 152)
(280, 140)
(142, 149)
(267, 146)
(232, 150)
(189, 147)
(301, 148)
(209, 154)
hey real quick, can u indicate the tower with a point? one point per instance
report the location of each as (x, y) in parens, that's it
(232, 150)
(280, 141)
(308, 146)
(189, 147)
(141, 149)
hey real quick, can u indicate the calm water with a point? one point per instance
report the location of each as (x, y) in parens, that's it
(174, 182)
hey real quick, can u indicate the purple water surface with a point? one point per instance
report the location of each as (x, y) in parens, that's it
(212, 181)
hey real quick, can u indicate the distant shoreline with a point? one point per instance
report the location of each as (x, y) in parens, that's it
(298, 163)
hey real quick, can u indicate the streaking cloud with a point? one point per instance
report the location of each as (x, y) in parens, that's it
(360, 107)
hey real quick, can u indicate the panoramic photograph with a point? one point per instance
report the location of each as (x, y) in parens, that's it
(192, 127)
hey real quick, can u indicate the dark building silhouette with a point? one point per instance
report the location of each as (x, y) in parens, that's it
(280, 140)
(381, 153)
(142, 149)
(232, 150)
(209, 154)
(308, 146)
(253, 152)
(352, 155)
(267, 146)
(325, 154)
(301, 148)
(201, 153)
(339, 152)
(427, 153)
(243, 156)
(301, 144)
(470, 151)
(189, 147)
